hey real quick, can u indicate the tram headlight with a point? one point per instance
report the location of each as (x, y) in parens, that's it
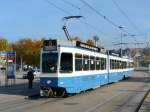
(49, 81)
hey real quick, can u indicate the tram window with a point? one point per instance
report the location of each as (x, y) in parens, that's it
(98, 63)
(66, 63)
(117, 64)
(128, 64)
(92, 63)
(103, 64)
(49, 62)
(78, 56)
(113, 64)
(78, 62)
(85, 62)
(110, 61)
(121, 64)
(124, 65)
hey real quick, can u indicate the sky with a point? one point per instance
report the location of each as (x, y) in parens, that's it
(38, 18)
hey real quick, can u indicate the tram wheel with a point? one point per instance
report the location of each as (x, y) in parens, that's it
(60, 93)
(48, 93)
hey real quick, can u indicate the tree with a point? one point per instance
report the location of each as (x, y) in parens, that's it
(3, 44)
(147, 58)
(146, 51)
(28, 50)
(90, 42)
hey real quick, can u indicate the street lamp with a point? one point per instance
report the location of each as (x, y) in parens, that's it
(121, 27)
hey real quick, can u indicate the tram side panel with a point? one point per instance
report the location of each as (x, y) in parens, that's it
(86, 81)
(78, 83)
(75, 81)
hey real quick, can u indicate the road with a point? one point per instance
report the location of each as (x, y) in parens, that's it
(122, 96)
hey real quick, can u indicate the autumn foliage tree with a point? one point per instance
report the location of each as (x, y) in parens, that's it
(4, 46)
(90, 42)
(28, 50)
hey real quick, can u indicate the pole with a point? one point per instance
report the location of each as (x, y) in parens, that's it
(121, 44)
(6, 79)
(121, 27)
(15, 71)
(21, 63)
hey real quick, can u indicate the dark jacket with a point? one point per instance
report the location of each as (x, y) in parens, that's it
(30, 75)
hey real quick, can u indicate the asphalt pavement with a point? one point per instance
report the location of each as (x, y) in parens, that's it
(122, 96)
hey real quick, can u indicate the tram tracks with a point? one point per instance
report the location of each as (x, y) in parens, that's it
(125, 101)
(102, 103)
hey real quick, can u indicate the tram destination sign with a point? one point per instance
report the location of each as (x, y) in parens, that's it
(50, 45)
(86, 46)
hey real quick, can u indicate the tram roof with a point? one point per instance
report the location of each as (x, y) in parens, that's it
(52, 44)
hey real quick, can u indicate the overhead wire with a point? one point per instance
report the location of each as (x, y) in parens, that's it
(59, 8)
(132, 24)
(129, 20)
(107, 19)
(86, 23)
(73, 5)
(126, 16)
(67, 12)
(103, 16)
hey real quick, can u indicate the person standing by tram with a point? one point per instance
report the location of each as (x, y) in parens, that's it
(30, 77)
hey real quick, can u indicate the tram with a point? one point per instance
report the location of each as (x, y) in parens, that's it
(73, 66)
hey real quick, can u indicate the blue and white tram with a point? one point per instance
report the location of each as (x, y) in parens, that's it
(76, 67)
(119, 68)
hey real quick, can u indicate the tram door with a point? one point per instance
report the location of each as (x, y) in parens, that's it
(66, 67)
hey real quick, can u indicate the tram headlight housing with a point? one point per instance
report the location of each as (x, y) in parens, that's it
(48, 81)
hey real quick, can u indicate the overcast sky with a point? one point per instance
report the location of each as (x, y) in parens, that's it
(38, 18)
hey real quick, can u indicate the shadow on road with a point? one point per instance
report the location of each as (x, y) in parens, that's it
(20, 89)
(142, 77)
(137, 79)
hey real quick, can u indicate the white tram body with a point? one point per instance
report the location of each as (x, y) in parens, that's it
(72, 69)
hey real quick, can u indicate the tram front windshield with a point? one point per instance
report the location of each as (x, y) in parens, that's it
(49, 62)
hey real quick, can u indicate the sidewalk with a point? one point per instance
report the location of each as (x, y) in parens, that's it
(19, 91)
(146, 104)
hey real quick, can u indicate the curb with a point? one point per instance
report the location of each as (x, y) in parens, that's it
(141, 102)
